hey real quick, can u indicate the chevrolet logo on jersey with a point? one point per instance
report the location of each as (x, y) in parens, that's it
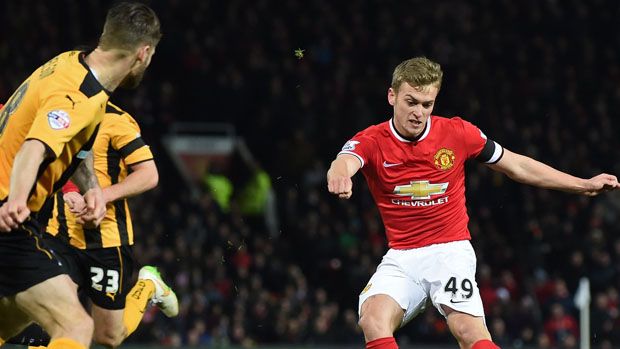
(420, 189)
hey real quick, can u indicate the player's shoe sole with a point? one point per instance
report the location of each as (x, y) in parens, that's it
(165, 299)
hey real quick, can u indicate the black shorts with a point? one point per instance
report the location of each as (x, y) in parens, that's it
(25, 260)
(103, 274)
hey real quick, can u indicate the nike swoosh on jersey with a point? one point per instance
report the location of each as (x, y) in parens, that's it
(387, 164)
(455, 302)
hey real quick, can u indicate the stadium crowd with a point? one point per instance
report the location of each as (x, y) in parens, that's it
(542, 78)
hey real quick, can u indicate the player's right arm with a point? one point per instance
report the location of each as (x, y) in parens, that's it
(143, 177)
(339, 175)
(23, 175)
(136, 155)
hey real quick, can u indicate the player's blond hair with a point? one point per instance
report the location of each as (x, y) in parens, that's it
(129, 25)
(417, 72)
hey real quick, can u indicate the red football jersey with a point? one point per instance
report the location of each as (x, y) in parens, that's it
(419, 186)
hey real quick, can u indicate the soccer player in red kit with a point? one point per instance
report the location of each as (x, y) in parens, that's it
(414, 167)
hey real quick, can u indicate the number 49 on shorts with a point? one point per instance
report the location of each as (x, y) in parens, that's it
(466, 287)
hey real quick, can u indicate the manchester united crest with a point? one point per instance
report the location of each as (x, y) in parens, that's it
(444, 159)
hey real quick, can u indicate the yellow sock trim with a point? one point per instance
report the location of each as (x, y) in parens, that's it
(65, 343)
(136, 302)
(37, 347)
(1, 342)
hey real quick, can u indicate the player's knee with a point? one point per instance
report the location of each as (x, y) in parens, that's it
(380, 316)
(80, 328)
(468, 332)
(86, 325)
(110, 337)
(371, 322)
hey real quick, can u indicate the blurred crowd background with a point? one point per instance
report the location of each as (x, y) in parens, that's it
(539, 77)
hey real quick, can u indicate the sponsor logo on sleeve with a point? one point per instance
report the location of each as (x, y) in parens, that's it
(58, 119)
(350, 145)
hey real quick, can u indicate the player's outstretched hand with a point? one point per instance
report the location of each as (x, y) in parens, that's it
(340, 185)
(95, 208)
(76, 203)
(12, 214)
(600, 184)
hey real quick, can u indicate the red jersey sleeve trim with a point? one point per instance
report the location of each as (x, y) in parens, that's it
(70, 187)
(352, 153)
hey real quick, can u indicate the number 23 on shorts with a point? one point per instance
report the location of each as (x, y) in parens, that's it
(111, 276)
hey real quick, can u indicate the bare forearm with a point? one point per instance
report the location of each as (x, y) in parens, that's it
(25, 168)
(340, 173)
(337, 169)
(538, 174)
(136, 183)
(341, 167)
(84, 176)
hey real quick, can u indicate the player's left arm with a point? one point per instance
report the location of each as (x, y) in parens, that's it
(143, 177)
(526, 170)
(73, 199)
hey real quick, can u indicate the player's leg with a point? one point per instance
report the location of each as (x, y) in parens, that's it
(470, 331)
(112, 326)
(110, 329)
(163, 297)
(118, 310)
(35, 335)
(136, 302)
(12, 319)
(107, 274)
(380, 317)
(33, 277)
(390, 299)
(54, 305)
(32, 336)
(450, 274)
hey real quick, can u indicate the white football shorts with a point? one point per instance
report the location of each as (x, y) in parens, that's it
(441, 273)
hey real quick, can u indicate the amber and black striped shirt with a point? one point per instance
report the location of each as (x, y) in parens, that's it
(117, 147)
(61, 104)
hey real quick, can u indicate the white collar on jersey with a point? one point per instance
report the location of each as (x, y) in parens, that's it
(427, 130)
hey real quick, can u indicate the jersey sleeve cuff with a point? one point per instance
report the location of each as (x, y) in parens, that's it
(48, 149)
(139, 162)
(352, 153)
(132, 146)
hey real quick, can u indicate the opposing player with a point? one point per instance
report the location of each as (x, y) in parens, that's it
(47, 129)
(101, 260)
(414, 167)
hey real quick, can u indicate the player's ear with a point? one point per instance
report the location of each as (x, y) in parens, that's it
(391, 96)
(144, 53)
